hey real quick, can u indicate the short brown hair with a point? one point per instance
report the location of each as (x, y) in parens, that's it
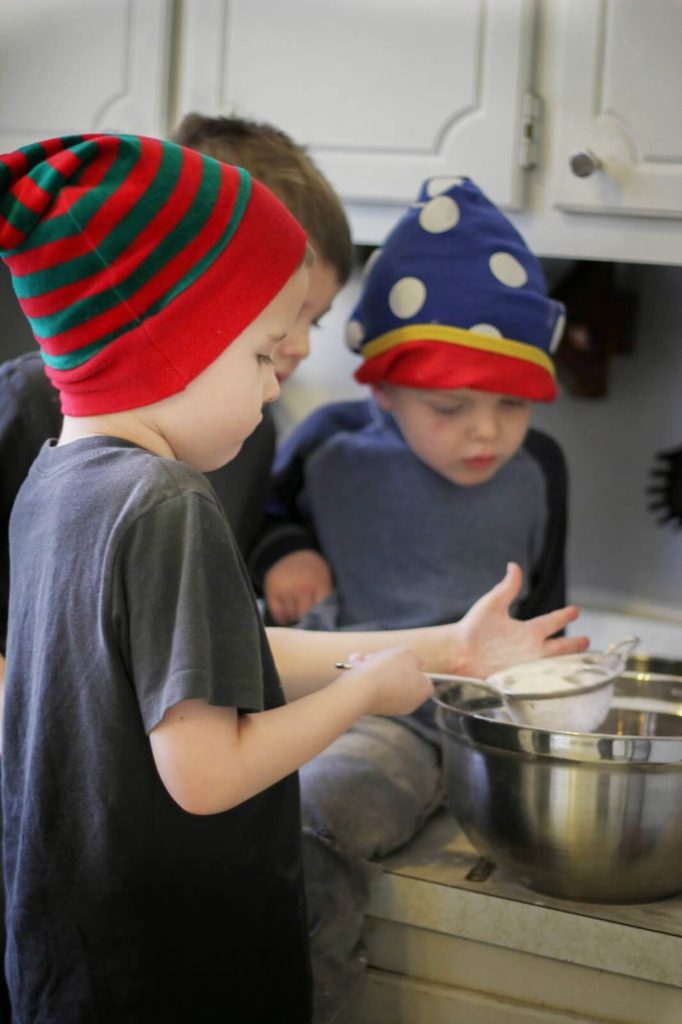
(274, 159)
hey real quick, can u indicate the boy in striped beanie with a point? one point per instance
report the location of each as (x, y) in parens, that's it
(150, 806)
(29, 404)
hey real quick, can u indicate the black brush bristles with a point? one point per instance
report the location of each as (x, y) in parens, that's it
(665, 490)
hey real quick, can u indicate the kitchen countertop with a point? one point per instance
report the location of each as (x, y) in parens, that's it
(428, 885)
(658, 636)
(444, 946)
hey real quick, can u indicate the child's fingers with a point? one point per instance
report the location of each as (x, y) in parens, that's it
(278, 612)
(554, 622)
(504, 592)
(565, 645)
(283, 606)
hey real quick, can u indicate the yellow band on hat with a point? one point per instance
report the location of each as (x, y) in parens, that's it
(457, 336)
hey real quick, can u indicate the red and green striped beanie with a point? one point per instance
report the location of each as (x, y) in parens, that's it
(137, 262)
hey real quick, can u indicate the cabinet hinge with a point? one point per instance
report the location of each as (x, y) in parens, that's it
(531, 119)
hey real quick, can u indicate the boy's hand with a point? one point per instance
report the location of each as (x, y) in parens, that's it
(493, 640)
(394, 679)
(294, 584)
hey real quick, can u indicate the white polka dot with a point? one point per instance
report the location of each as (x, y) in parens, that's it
(435, 186)
(406, 297)
(558, 332)
(507, 269)
(439, 214)
(355, 335)
(367, 269)
(488, 329)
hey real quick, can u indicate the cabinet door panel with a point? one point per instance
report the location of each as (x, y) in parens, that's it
(384, 92)
(82, 65)
(621, 102)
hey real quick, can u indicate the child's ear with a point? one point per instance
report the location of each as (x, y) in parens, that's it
(382, 396)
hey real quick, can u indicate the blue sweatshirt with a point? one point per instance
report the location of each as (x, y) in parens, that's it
(406, 546)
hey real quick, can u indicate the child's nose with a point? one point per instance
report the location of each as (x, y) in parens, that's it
(297, 343)
(485, 426)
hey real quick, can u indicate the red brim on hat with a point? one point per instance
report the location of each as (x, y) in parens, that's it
(440, 366)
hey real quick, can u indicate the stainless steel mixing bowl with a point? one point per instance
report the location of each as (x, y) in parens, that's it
(584, 816)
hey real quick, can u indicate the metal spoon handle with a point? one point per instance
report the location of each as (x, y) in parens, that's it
(484, 684)
(441, 677)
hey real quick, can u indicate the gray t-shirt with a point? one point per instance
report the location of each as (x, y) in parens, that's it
(128, 595)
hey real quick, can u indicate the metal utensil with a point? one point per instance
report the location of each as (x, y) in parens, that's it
(584, 816)
(443, 677)
(577, 706)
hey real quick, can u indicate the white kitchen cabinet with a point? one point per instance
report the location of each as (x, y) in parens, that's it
(83, 66)
(384, 92)
(620, 117)
(610, 80)
(387, 92)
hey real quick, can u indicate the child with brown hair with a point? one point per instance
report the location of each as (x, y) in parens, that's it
(150, 802)
(286, 168)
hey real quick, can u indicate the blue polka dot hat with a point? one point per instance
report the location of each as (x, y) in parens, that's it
(455, 299)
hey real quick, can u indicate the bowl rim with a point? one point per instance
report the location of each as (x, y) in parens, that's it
(480, 730)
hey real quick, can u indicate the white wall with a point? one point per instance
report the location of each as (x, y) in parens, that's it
(619, 557)
(619, 554)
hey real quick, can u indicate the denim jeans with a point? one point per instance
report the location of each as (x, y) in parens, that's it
(363, 797)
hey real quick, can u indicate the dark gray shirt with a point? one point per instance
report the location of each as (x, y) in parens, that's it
(128, 595)
(30, 415)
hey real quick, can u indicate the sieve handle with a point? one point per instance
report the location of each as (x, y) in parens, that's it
(442, 677)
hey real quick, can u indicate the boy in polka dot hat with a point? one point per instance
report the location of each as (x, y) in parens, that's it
(454, 317)
(412, 503)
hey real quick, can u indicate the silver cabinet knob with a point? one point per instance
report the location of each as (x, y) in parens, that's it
(584, 163)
